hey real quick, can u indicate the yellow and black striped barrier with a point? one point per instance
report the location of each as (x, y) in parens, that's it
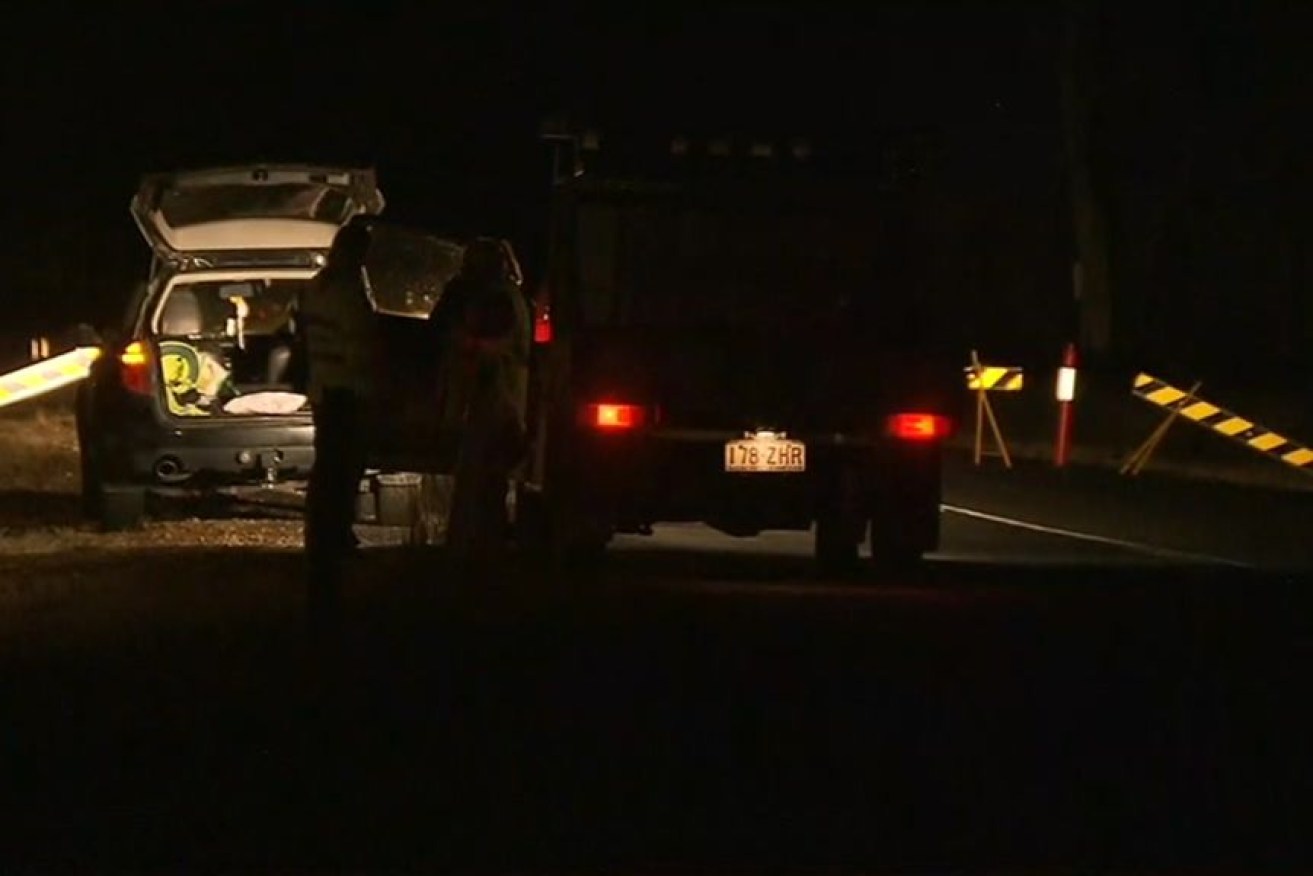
(1186, 404)
(982, 379)
(995, 378)
(46, 376)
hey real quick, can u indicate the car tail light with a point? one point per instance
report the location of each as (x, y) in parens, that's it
(614, 417)
(135, 367)
(913, 426)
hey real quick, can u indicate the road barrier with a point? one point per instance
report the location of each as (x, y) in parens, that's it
(995, 378)
(983, 379)
(1186, 404)
(46, 376)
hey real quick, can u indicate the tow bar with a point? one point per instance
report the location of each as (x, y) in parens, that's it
(271, 462)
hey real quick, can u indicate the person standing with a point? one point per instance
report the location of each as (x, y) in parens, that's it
(337, 319)
(486, 328)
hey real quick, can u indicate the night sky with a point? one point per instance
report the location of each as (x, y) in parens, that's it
(445, 100)
(419, 88)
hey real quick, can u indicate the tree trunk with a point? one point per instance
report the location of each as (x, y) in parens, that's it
(1094, 305)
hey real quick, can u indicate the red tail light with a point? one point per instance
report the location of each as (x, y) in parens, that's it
(542, 324)
(135, 367)
(612, 417)
(918, 427)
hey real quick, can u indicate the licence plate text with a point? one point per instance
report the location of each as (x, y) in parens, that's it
(765, 455)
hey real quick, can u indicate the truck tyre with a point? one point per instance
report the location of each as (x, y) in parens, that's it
(840, 524)
(837, 543)
(892, 553)
(900, 538)
(565, 538)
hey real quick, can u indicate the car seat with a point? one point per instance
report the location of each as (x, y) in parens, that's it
(279, 367)
(182, 314)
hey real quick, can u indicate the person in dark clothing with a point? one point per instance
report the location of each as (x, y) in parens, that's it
(338, 326)
(483, 321)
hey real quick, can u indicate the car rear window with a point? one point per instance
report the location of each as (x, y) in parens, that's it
(189, 206)
(208, 308)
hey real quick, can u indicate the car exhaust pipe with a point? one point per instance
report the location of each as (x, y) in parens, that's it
(169, 470)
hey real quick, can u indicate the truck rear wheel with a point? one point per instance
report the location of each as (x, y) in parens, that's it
(840, 523)
(566, 537)
(838, 542)
(893, 555)
(901, 537)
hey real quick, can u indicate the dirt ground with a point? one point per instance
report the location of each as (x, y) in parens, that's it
(63, 583)
(195, 568)
(39, 504)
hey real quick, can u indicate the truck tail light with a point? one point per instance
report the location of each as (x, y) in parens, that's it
(915, 426)
(542, 324)
(135, 368)
(613, 416)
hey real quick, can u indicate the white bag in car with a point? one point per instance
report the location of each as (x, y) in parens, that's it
(266, 403)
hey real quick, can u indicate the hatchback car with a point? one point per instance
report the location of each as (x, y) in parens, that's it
(197, 387)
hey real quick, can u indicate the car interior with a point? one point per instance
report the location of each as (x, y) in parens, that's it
(243, 330)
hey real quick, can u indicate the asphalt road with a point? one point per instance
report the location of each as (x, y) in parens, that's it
(1065, 684)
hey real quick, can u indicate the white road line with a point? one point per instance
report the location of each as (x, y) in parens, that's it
(1153, 550)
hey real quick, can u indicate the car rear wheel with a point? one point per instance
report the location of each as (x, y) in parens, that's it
(121, 507)
(91, 485)
(89, 464)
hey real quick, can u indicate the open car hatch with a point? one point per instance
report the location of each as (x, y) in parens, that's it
(273, 207)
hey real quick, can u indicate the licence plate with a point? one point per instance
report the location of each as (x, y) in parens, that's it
(766, 452)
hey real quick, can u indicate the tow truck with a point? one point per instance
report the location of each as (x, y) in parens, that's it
(728, 332)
